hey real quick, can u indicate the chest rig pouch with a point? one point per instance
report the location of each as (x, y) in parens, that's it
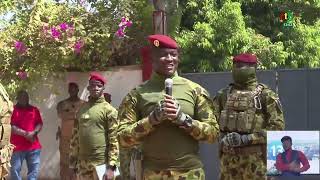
(240, 111)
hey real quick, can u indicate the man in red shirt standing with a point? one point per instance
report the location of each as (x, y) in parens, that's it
(290, 160)
(26, 123)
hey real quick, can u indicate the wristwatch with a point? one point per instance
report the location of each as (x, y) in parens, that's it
(187, 122)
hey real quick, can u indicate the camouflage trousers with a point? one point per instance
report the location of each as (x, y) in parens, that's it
(64, 145)
(125, 160)
(86, 170)
(5, 157)
(242, 167)
(195, 174)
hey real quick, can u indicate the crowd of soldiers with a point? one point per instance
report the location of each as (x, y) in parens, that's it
(161, 130)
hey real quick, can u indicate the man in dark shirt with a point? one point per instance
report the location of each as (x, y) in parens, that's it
(290, 160)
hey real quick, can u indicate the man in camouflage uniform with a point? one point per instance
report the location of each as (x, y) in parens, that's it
(125, 154)
(66, 110)
(246, 110)
(94, 138)
(6, 148)
(167, 128)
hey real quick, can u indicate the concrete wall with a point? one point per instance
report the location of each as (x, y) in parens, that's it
(119, 82)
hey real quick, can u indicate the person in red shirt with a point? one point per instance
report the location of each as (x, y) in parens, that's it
(289, 162)
(26, 123)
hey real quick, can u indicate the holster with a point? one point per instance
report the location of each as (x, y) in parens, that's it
(138, 158)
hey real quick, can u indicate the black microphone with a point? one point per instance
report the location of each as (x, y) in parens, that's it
(168, 86)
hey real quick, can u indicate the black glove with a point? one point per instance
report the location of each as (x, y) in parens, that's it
(157, 115)
(235, 139)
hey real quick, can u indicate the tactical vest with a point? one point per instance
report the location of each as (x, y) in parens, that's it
(242, 110)
(294, 157)
(6, 148)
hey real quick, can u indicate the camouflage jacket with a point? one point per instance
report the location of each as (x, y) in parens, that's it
(6, 106)
(67, 110)
(271, 110)
(6, 148)
(94, 134)
(159, 142)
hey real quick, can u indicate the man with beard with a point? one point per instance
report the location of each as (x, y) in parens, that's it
(67, 110)
(94, 138)
(167, 128)
(290, 160)
(246, 109)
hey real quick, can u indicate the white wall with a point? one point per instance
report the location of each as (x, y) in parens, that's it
(120, 80)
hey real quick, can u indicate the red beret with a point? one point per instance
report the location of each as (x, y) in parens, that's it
(162, 41)
(98, 77)
(246, 58)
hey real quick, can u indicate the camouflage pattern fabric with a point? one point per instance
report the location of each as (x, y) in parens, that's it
(135, 128)
(195, 174)
(6, 148)
(87, 171)
(125, 155)
(132, 129)
(5, 157)
(96, 125)
(67, 112)
(273, 114)
(244, 166)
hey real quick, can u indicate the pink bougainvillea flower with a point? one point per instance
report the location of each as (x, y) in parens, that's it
(64, 26)
(129, 23)
(55, 33)
(22, 74)
(125, 22)
(123, 19)
(20, 47)
(78, 46)
(120, 33)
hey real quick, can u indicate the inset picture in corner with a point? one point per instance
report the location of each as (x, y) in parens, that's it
(292, 153)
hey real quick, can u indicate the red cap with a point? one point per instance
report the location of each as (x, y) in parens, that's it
(246, 58)
(98, 77)
(162, 41)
